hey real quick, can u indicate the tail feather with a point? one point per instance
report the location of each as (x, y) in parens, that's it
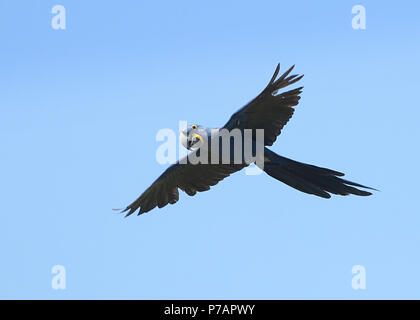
(309, 178)
(295, 181)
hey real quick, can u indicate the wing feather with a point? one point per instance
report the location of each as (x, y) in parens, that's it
(190, 178)
(269, 110)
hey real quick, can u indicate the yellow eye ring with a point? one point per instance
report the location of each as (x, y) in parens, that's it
(194, 127)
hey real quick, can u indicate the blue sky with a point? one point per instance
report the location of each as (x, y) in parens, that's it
(80, 109)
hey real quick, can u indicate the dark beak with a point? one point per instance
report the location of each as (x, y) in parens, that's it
(192, 140)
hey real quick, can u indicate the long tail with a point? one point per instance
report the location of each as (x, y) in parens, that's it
(310, 179)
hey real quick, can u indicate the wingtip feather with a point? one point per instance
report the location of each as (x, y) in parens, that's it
(276, 72)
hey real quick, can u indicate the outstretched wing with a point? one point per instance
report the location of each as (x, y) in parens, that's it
(270, 110)
(188, 177)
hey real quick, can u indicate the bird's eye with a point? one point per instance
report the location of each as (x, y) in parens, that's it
(194, 127)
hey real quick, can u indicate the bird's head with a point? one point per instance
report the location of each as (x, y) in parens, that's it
(194, 136)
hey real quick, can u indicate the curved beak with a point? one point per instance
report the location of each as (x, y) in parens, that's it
(190, 139)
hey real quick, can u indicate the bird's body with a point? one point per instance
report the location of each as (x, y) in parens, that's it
(217, 153)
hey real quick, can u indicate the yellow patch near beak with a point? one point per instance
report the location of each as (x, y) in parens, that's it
(198, 137)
